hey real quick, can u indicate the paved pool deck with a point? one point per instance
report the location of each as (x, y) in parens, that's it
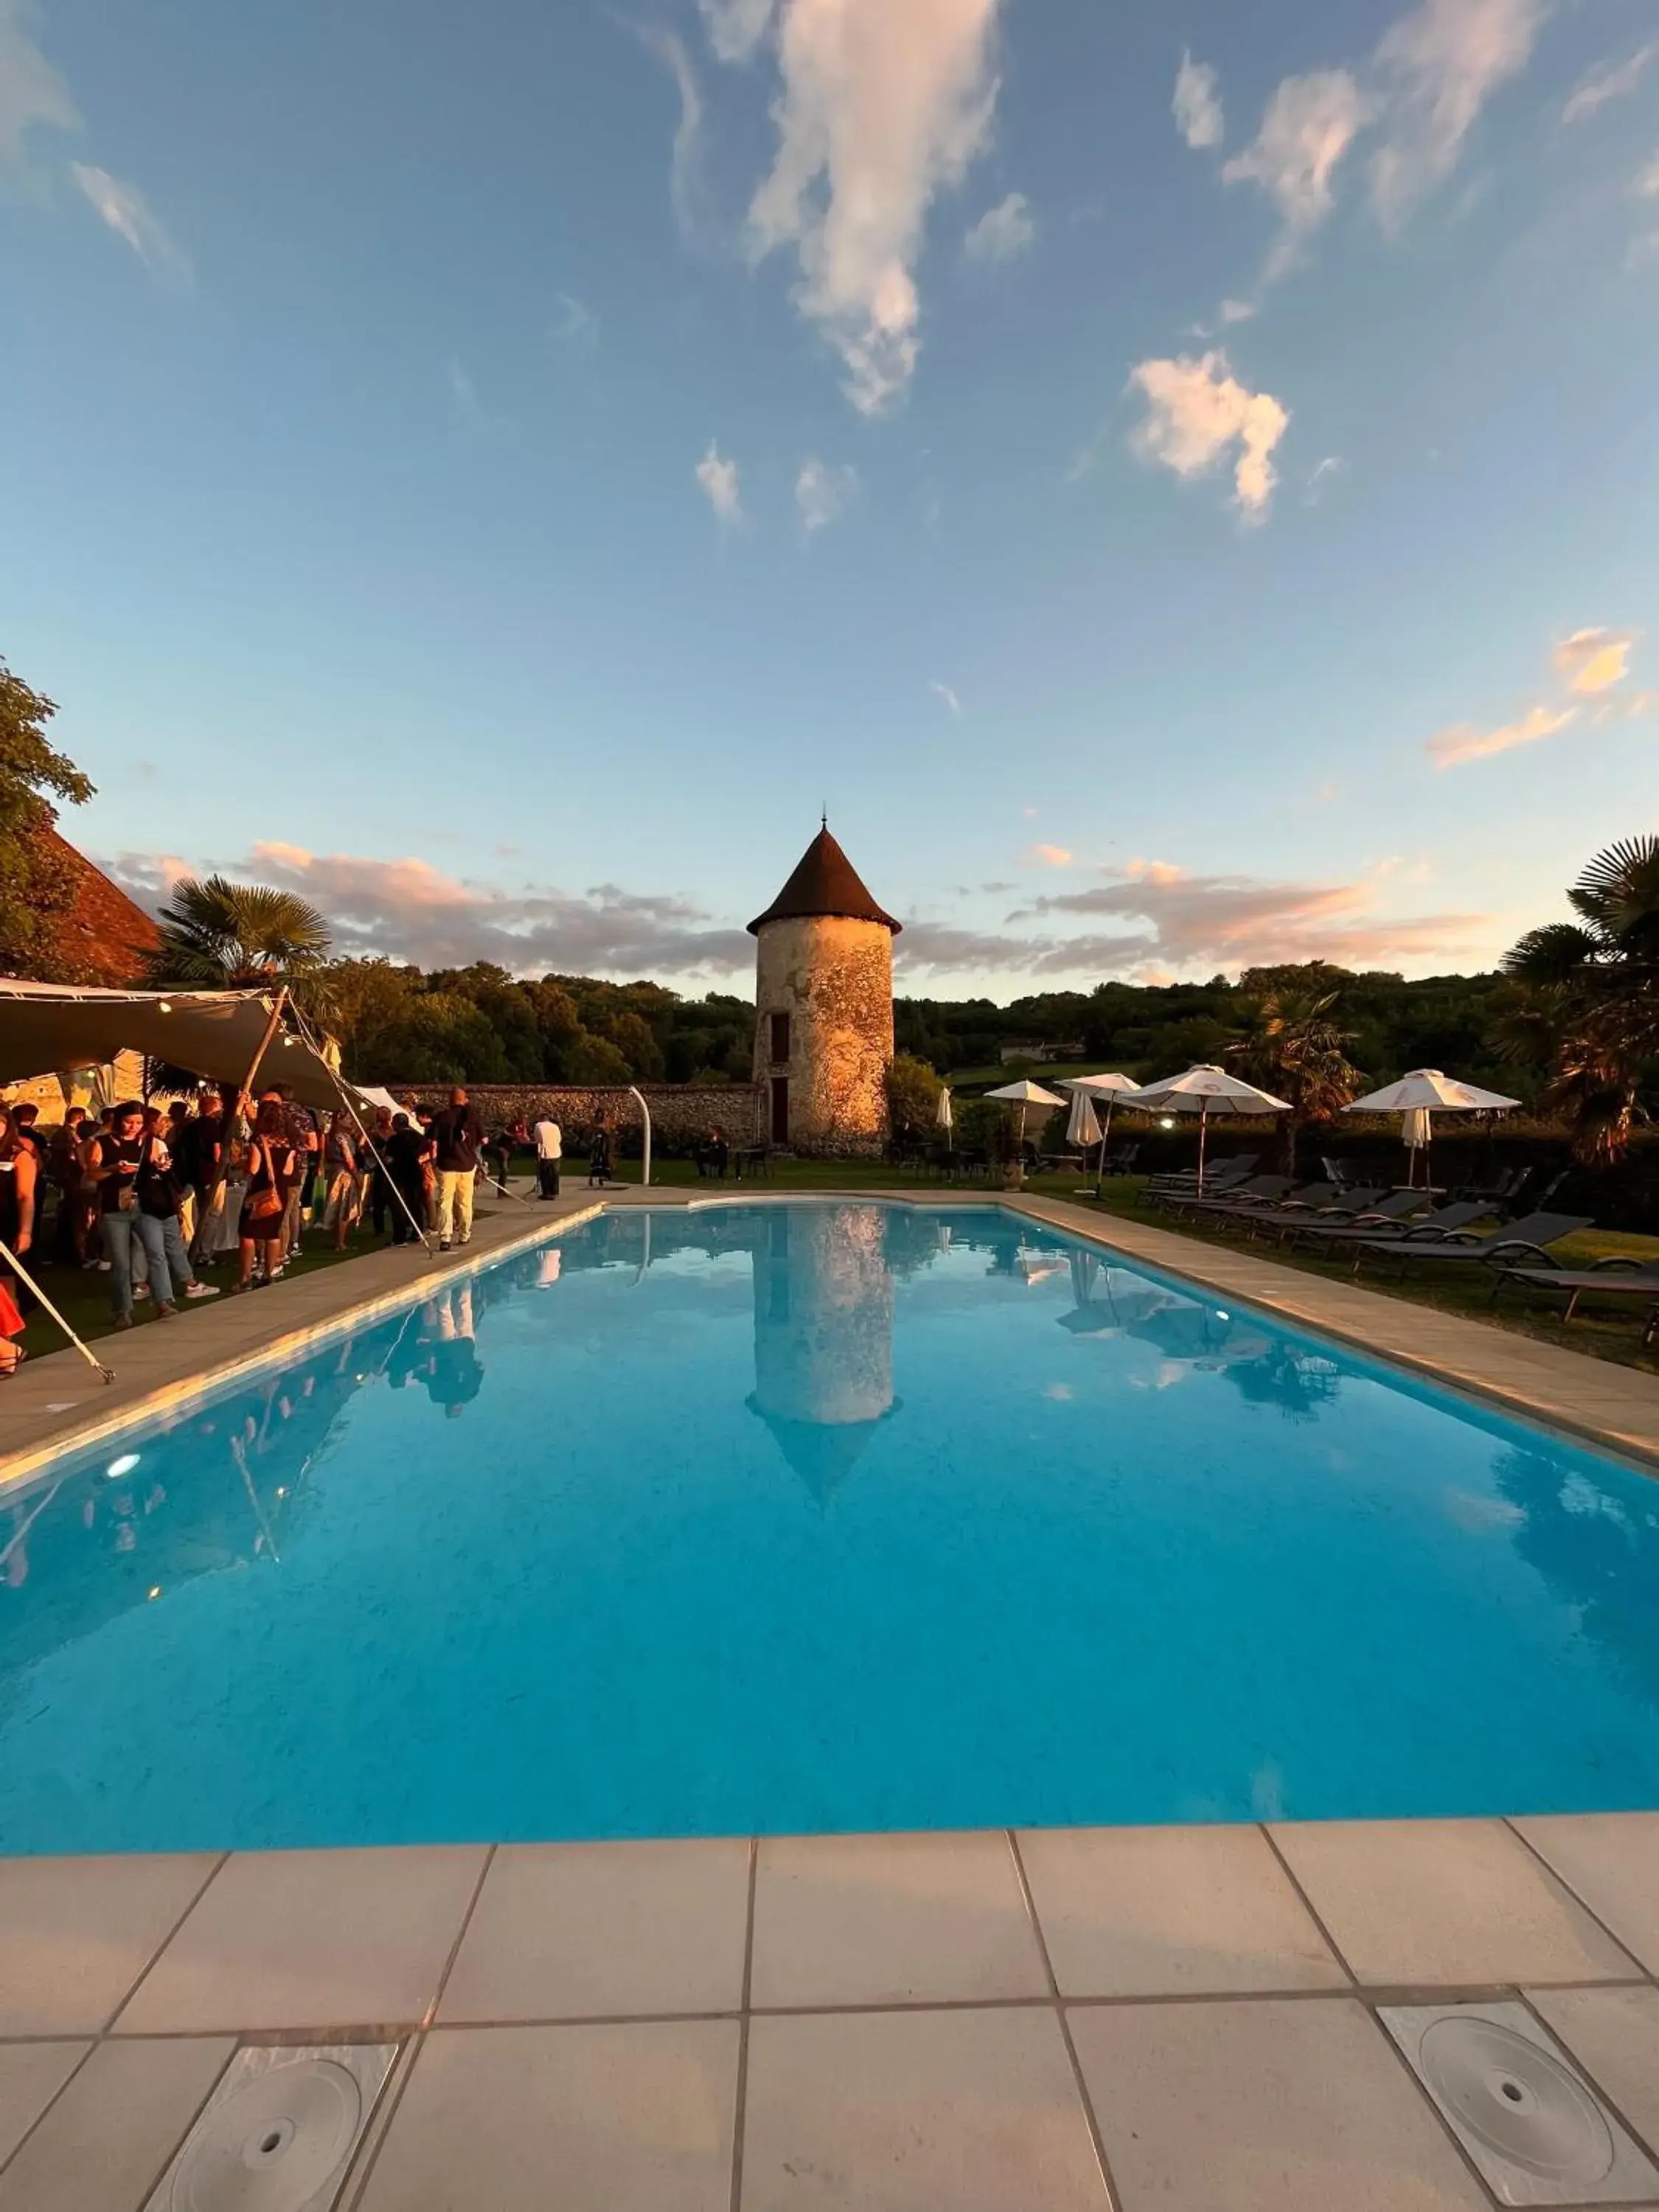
(1155, 2020)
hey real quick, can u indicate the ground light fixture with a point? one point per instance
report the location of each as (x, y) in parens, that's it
(125, 1465)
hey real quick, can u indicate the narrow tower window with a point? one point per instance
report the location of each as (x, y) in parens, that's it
(781, 1038)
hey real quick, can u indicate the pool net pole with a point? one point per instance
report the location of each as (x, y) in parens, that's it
(9, 1259)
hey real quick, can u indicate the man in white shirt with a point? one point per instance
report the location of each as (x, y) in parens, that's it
(550, 1151)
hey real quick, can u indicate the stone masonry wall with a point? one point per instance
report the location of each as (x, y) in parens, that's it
(834, 978)
(681, 1113)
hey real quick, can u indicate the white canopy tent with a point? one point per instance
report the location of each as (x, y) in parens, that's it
(45, 1028)
(1418, 1098)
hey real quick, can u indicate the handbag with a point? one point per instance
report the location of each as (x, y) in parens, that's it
(270, 1204)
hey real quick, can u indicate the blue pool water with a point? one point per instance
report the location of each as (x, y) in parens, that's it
(813, 1516)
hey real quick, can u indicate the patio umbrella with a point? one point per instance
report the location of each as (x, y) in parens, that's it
(1417, 1097)
(1096, 1088)
(1081, 1127)
(1024, 1094)
(945, 1119)
(1203, 1089)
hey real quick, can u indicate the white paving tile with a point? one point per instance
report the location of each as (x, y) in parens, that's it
(1171, 1911)
(864, 1920)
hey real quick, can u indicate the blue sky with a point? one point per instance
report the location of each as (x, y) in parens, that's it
(1180, 485)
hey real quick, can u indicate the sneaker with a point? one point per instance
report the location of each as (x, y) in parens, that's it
(141, 1291)
(165, 1309)
(91, 1266)
(201, 1290)
(463, 1240)
(444, 1245)
(104, 1265)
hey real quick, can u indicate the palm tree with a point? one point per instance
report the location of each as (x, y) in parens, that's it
(1588, 1007)
(1293, 1048)
(221, 936)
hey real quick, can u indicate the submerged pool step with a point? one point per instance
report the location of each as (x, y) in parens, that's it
(278, 2133)
(1533, 2126)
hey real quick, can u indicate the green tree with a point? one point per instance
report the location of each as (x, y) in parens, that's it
(590, 1059)
(221, 936)
(1293, 1048)
(36, 888)
(636, 1041)
(913, 1090)
(1589, 999)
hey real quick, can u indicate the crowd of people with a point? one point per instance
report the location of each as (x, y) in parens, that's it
(151, 1196)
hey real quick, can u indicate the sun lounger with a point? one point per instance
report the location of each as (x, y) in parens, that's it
(1258, 1190)
(1393, 1218)
(1620, 1278)
(1521, 1241)
(1302, 1212)
(1233, 1169)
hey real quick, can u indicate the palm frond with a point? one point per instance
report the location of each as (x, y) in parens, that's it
(1559, 952)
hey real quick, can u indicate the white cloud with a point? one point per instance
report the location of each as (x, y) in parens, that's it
(821, 491)
(1197, 410)
(1189, 922)
(1594, 660)
(1591, 663)
(736, 27)
(1309, 125)
(1645, 186)
(1052, 856)
(1462, 742)
(719, 478)
(1442, 63)
(1611, 81)
(130, 216)
(1331, 465)
(31, 92)
(944, 692)
(882, 107)
(684, 183)
(1196, 106)
(407, 910)
(1234, 311)
(1002, 232)
(576, 320)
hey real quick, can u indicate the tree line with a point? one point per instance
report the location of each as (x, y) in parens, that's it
(1570, 1023)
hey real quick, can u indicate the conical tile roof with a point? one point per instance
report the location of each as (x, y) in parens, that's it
(824, 881)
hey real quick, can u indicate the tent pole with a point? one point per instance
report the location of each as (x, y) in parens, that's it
(223, 1172)
(339, 1081)
(10, 1260)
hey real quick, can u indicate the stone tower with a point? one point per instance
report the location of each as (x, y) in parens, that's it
(823, 1008)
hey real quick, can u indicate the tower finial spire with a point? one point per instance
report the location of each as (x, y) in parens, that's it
(824, 816)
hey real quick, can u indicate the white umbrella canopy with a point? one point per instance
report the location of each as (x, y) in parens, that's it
(1023, 1094)
(1026, 1093)
(1419, 1096)
(1428, 1088)
(1204, 1090)
(1096, 1088)
(944, 1117)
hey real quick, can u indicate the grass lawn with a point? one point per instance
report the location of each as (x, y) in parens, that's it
(1609, 1328)
(82, 1294)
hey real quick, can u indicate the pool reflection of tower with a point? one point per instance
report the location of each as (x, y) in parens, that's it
(823, 1336)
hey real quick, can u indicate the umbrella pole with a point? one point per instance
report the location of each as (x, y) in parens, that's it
(1203, 1124)
(1100, 1178)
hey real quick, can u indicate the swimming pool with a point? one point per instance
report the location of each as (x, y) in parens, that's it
(818, 1515)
